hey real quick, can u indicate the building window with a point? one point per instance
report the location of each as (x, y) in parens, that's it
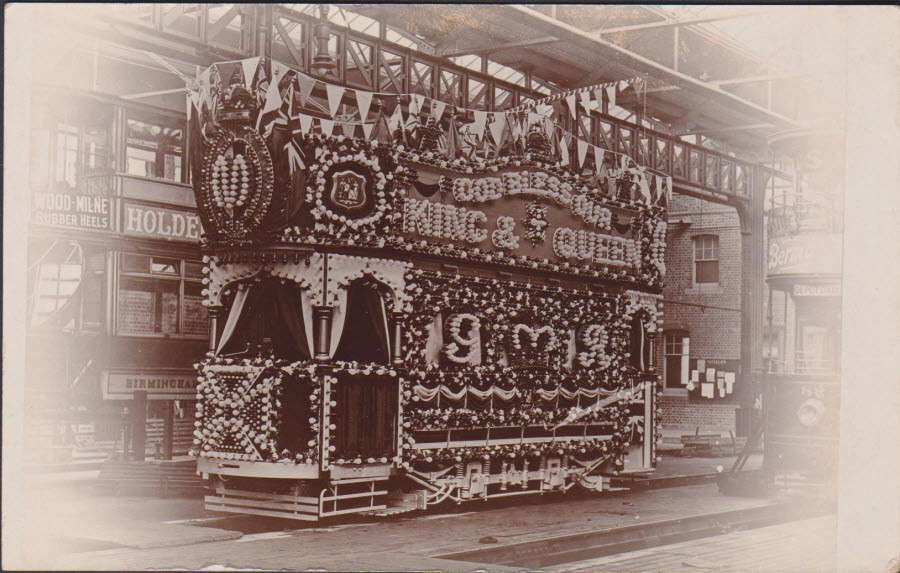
(154, 148)
(676, 365)
(706, 259)
(160, 295)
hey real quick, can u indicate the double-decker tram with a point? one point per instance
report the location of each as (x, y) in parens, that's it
(405, 318)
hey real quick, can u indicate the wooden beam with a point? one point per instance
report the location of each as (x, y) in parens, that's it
(156, 93)
(755, 79)
(504, 46)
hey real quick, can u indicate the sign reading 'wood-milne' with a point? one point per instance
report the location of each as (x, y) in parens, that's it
(73, 210)
(159, 222)
(157, 385)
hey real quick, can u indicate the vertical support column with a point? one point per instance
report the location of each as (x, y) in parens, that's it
(322, 334)
(214, 313)
(168, 429)
(325, 441)
(139, 426)
(649, 445)
(397, 351)
(752, 287)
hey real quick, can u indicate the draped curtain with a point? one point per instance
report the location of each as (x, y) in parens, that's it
(363, 329)
(268, 310)
(237, 308)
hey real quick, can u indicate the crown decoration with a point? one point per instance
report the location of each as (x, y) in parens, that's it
(237, 105)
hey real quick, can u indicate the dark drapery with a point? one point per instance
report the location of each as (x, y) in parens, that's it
(365, 416)
(640, 342)
(273, 310)
(365, 337)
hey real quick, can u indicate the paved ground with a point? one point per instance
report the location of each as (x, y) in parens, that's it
(796, 547)
(71, 525)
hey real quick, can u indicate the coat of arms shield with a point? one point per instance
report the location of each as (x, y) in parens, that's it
(348, 190)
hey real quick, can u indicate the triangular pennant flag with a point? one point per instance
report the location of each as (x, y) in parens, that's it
(544, 109)
(335, 95)
(659, 189)
(479, 124)
(570, 101)
(363, 102)
(623, 84)
(598, 95)
(327, 126)
(549, 127)
(586, 100)
(497, 126)
(250, 65)
(669, 188)
(349, 129)
(437, 110)
(382, 131)
(533, 118)
(306, 85)
(305, 123)
(563, 150)
(270, 109)
(367, 129)
(638, 86)
(453, 143)
(598, 159)
(611, 94)
(413, 107)
(582, 152)
(644, 186)
(396, 119)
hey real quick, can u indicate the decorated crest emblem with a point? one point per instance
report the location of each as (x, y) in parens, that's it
(348, 190)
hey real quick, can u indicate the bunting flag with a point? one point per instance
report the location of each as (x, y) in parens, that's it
(570, 101)
(598, 160)
(416, 102)
(335, 95)
(306, 85)
(269, 111)
(623, 85)
(563, 150)
(582, 152)
(533, 118)
(598, 95)
(644, 187)
(349, 129)
(497, 126)
(611, 94)
(305, 123)
(549, 127)
(327, 126)
(659, 189)
(669, 188)
(382, 131)
(453, 143)
(396, 119)
(638, 86)
(363, 102)
(437, 110)
(586, 100)
(249, 67)
(480, 122)
(367, 130)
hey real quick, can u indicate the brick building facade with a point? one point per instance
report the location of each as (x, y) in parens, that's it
(702, 300)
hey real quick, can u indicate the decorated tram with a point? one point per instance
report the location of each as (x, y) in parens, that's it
(414, 303)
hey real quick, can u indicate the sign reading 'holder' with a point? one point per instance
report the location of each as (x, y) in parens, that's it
(159, 222)
(177, 385)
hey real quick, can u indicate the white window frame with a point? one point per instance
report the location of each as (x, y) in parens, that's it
(685, 362)
(695, 260)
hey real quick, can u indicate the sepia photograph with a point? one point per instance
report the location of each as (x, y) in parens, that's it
(451, 287)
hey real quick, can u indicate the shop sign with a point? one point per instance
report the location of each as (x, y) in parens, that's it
(817, 290)
(159, 385)
(814, 253)
(160, 222)
(72, 210)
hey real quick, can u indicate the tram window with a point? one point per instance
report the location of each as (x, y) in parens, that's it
(364, 337)
(272, 312)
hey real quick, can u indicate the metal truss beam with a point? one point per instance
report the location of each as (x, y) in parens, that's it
(675, 23)
(503, 46)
